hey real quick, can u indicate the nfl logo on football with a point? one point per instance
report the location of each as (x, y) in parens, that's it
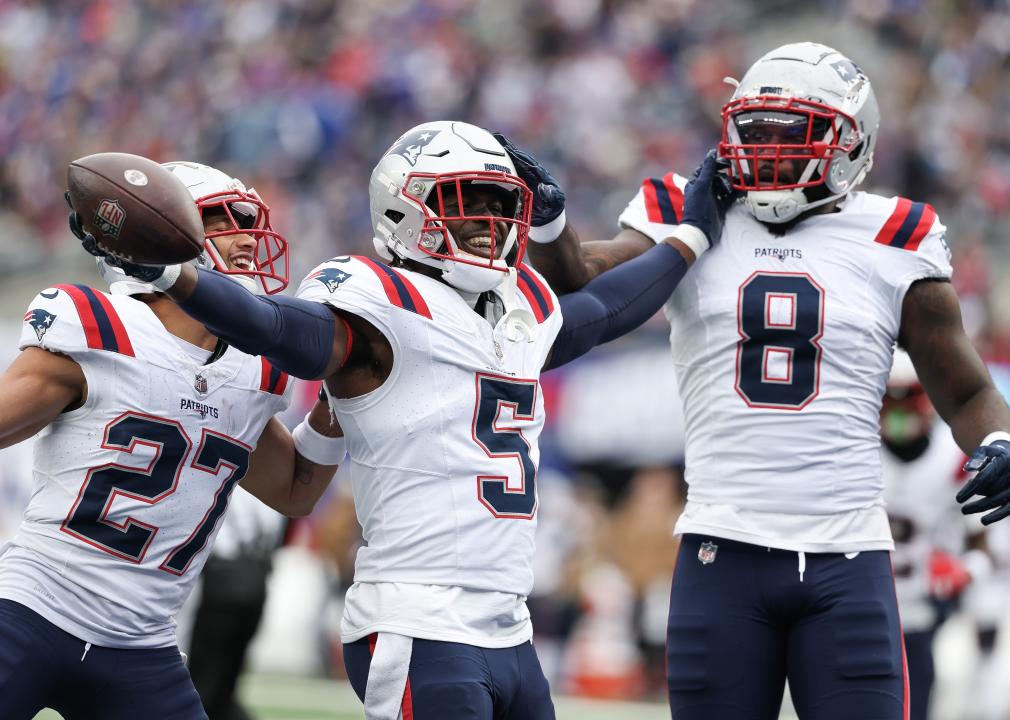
(109, 217)
(706, 553)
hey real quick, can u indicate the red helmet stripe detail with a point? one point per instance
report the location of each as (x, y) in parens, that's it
(103, 330)
(399, 290)
(535, 292)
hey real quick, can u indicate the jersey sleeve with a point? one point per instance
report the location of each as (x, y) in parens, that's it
(363, 287)
(657, 207)
(73, 319)
(915, 248)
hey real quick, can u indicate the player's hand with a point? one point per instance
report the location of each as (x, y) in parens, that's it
(548, 197)
(991, 465)
(161, 277)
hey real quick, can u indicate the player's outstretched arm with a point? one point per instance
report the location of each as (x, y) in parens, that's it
(962, 391)
(281, 476)
(38, 386)
(621, 299)
(555, 249)
(301, 338)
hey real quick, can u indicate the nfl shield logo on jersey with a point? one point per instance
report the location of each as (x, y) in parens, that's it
(109, 217)
(40, 320)
(706, 553)
(200, 383)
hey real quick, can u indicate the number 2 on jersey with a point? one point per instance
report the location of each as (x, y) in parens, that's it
(500, 494)
(778, 361)
(88, 519)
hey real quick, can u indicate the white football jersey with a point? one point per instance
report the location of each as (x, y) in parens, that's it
(924, 516)
(129, 489)
(443, 456)
(782, 346)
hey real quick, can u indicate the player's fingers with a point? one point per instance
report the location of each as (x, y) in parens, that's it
(980, 457)
(982, 504)
(970, 488)
(998, 514)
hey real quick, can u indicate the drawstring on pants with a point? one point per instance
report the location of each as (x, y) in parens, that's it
(803, 564)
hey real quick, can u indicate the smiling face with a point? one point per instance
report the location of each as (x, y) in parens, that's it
(236, 250)
(779, 143)
(470, 219)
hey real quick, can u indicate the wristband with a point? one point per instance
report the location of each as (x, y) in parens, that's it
(693, 237)
(168, 278)
(316, 447)
(994, 436)
(550, 232)
(978, 564)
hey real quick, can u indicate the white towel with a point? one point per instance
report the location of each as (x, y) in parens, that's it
(387, 676)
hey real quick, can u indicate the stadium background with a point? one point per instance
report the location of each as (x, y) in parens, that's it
(300, 97)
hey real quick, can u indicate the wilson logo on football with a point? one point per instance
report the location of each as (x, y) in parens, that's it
(109, 217)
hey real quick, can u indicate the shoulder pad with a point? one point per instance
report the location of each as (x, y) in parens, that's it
(74, 318)
(345, 281)
(538, 294)
(657, 207)
(907, 225)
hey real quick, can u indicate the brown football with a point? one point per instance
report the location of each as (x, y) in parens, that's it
(135, 208)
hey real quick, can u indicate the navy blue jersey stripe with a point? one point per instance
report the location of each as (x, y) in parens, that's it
(666, 210)
(907, 228)
(275, 378)
(406, 301)
(102, 318)
(538, 296)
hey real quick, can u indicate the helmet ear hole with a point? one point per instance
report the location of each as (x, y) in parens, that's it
(395, 215)
(857, 151)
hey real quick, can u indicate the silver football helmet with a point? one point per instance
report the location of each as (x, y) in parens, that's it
(417, 186)
(245, 213)
(802, 106)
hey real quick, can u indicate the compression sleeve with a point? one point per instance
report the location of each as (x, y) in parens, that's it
(616, 302)
(295, 335)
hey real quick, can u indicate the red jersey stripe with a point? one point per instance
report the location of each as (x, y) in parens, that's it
(922, 229)
(86, 314)
(893, 224)
(118, 329)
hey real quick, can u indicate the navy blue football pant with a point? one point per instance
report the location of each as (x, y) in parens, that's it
(42, 666)
(921, 673)
(453, 681)
(746, 620)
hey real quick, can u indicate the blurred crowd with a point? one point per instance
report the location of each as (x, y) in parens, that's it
(300, 97)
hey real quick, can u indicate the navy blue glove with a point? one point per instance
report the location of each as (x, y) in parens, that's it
(991, 463)
(548, 197)
(145, 273)
(708, 196)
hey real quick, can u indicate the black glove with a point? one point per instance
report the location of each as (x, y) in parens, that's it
(708, 196)
(991, 463)
(548, 197)
(144, 273)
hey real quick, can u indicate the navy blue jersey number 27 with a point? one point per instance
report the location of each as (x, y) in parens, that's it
(88, 519)
(512, 495)
(781, 319)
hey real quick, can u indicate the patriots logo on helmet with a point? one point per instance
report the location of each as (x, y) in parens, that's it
(410, 146)
(847, 70)
(332, 278)
(40, 320)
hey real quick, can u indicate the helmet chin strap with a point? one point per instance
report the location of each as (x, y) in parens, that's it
(781, 206)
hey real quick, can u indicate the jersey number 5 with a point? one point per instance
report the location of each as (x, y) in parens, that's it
(504, 495)
(88, 519)
(778, 358)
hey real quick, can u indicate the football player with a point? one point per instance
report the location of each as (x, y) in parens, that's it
(932, 560)
(146, 423)
(782, 339)
(432, 361)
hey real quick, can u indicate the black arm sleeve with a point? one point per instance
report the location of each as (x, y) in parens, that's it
(616, 302)
(295, 335)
